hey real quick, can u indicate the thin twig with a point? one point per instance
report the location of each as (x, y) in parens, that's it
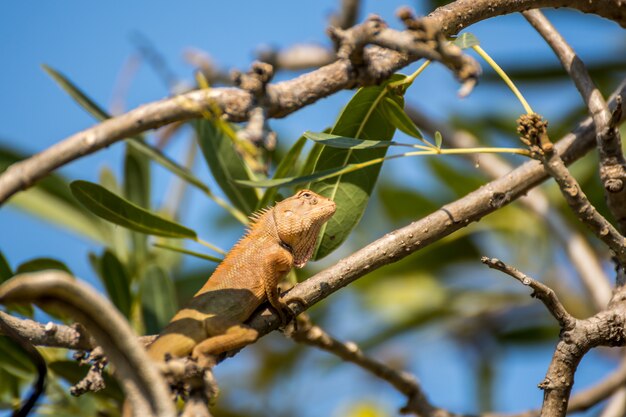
(407, 384)
(297, 57)
(541, 291)
(586, 399)
(347, 15)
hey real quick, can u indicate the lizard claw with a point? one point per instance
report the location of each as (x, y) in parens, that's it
(286, 314)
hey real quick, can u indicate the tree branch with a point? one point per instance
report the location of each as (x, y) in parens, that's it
(347, 15)
(612, 163)
(37, 360)
(52, 334)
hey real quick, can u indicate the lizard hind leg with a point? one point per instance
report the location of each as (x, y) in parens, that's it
(235, 337)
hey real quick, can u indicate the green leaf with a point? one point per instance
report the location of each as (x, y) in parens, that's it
(286, 165)
(400, 119)
(41, 264)
(188, 252)
(438, 139)
(226, 165)
(81, 98)
(402, 204)
(466, 40)
(116, 281)
(5, 269)
(115, 209)
(362, 118)
(158, 299)
(343, 142)
(456, 175)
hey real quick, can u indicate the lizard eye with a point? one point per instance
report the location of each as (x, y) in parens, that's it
(306, 194)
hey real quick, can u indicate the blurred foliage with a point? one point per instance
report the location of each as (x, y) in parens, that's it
(441, 287)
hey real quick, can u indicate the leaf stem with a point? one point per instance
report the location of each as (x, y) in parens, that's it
(409, 80)
(480, 51)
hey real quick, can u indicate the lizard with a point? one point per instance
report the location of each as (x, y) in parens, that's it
(279, 238)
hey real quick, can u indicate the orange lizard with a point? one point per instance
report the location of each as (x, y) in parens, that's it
(279, 238)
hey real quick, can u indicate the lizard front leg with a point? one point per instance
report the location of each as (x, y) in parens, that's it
(278, 265)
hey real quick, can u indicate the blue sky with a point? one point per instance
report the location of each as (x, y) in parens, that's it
(91, 42)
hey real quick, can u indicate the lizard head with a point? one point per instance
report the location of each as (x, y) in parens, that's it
(298, 222)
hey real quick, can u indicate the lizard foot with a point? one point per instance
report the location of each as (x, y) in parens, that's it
(286, 313)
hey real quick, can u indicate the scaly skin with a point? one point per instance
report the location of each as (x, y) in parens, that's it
(280, 238)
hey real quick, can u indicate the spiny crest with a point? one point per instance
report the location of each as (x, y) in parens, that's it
(256, 216)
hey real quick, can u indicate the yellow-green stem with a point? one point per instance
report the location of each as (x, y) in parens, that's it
(409, 80)
(355, 167)
(480, 51)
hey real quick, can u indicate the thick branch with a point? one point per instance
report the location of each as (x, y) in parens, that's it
(284, 98)
(454, 17)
